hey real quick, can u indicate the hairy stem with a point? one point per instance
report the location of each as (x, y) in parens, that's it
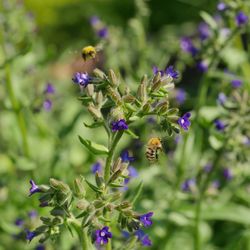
(109, 159)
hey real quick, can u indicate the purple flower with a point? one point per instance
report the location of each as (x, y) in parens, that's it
(125, 156)
(125, 234)
(119, 125)
(103, 32)
(184, 121)
(30, 235)
(221, 98)
(102, 236)
(34, 188)
(81, 78)
(32, 214)
(227, 174)
(40, 247)
(156, 70)
(221, 6)
(202, 66)
(246, 140)
(219, 125)
(96, 167)
(145, 241)
(188, 46)
(241, 18)
(171, 72)
(180, 96)
(216, 184)
(19, 222)
(145, 219)
(132, 174)
(204, 31)
(47, 104)
(94, 20)
(188, 185)
(236, 83)
(49, 89)
(208, 167)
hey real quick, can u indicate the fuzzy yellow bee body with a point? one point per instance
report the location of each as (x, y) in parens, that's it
(88, 52)
(152, 150)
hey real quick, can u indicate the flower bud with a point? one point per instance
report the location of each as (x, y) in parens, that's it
(59, 185)
(100, 74)
(99, 179)
(116, 114)
(99, 98)
(90, 90)
(79, 189)
(117, 164)
(98, 204)
(142, 89)
(82, 204)
(96, 113)
(128, 98)
(113, 78)
(114, 95)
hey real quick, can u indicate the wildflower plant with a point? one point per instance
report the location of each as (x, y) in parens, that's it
(94, 209)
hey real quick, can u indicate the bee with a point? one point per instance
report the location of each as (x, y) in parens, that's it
(88, 52)
(152, 150)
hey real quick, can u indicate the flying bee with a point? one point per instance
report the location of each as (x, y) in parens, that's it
(88, 52)
(153, 147)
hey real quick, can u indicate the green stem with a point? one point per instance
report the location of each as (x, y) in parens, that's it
(16, 107)
(197, 238)
(115, 141)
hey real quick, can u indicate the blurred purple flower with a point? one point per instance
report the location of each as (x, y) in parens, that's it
(221, 98)
(184, 121)
(177, 139)
(82, 79)
(202, 66)
(47, 104)
(170, 71)
(96, 167)
(132, 174)
(221, 6)
(125, 234)
(236, 83)
(188, 46)
(216, 184)
(204, 31)
(125, 156)
(94, 20)
(34, 188)
(219, 125)
(30, 235)
(145, 219)
(208, 167)
(119, 125)
(227, 174)
(19, 222)
(103, 32)
(156, 70)
(241, 18)
(40, 247)
(102, 236)
(43, 204)
(188, 185)
(49, 89)
(32, 214)
(246, 141)
(143, 238)
(180, 96)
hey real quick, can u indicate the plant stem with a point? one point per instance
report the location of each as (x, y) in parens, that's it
(16, 107)
(109, 159)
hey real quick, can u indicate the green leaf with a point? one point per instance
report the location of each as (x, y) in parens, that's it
(93, 187)
(132, 134)
(137, 192)
(93, 125)
(94, 147)
(227, 212)
(208, 19)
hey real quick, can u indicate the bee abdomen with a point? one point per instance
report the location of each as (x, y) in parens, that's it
(151, 154)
